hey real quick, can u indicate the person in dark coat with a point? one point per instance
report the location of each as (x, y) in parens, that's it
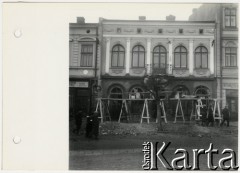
(78, 121)
(89, 127)
(210, 115)
(226, 115)
(92, 127)
(95, 125)
(203, 112)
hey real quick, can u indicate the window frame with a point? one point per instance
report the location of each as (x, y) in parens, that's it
(230, 17)
(201, 55)
(118, 53)
(159, 56)
(181, 46)
(87, 53)
(230, 55)
(138, 53)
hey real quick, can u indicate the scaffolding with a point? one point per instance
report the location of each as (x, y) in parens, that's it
(103, 108)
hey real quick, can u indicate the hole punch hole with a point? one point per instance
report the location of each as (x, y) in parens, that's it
(16, 139)
(18, 33)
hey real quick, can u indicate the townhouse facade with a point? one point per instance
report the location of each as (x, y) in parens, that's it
(134, 49)
(226, 17)
(83, 65)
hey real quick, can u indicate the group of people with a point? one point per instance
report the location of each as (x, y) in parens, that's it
(92, 124)
(207, 115)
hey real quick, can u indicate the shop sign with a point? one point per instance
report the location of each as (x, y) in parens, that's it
(230, 85)
(78, 84)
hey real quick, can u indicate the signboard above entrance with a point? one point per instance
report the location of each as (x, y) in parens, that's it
(78, 84)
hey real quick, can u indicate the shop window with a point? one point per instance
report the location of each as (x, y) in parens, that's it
(118, 56)
(202, 91)
(116, 93)
(230, 17)
(136, 93)
(86, 55)
(115, 104)
(201, 57)
(138, 57)
(180, 91)
(180, 57)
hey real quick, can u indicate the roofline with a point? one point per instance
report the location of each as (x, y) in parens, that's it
(93, 25)
(165, 21)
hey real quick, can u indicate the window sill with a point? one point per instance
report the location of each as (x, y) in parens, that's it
(138, 68)
(201, 69)
(230, 67)
(78, 67)
(118, 68)
(180, 69)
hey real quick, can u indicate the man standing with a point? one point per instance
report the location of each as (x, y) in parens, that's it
(78, 121)
(210, 115)
(226, 115)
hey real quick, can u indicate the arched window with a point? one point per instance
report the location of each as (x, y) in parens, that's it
(136, 93)
(201, 57)
(138, 56)
(159, 57)
(202, 91)
(181, 90)
(116, 92)
(180, 57)
(118, 56)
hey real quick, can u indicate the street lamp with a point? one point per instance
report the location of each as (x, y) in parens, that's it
(155, 84)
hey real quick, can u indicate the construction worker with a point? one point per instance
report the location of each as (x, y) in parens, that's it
(226, 115)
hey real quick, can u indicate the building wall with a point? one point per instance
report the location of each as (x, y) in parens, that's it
(227, 77)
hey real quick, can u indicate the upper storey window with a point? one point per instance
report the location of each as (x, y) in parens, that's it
(230, 56)
(230, 17)
(180, 57)
(118, 56)
(138, 56)
(86, 55)
(159, 57)
(201, 57)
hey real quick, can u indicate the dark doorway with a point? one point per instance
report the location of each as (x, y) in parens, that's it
(232, 102)
(80, 99)
(115, 105)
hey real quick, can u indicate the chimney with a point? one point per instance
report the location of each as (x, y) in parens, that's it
(142, 18)
(80, 20)
(170, 18)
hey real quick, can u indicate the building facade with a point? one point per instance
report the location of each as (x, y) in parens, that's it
(132, 49)
(226, 17)
(83, 65)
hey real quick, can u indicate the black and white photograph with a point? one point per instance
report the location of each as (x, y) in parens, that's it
(119, 86)
(157, 91)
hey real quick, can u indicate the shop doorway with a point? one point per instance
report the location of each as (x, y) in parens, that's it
(115, 105)
(232, 102)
